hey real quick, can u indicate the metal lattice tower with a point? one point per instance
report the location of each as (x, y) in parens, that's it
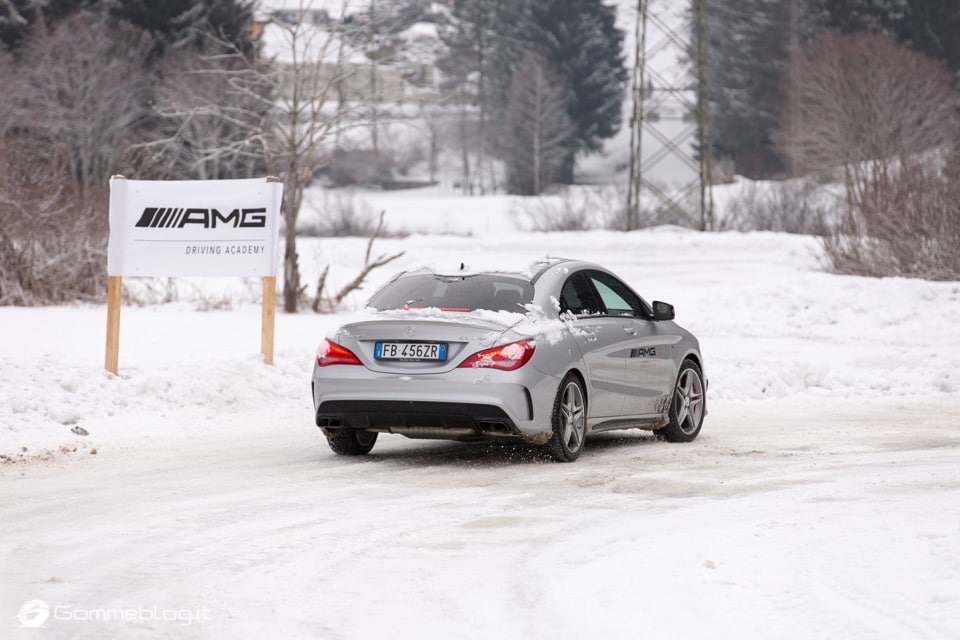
(670, 120)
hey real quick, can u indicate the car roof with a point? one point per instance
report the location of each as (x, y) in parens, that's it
(530, 272)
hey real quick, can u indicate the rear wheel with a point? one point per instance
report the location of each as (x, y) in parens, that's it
(347, 442)
(689, 405)
(569, 421)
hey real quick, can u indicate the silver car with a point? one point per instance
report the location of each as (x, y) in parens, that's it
(546, 356)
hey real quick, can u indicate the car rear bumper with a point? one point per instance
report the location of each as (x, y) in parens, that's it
(461, 405)
(418, 419)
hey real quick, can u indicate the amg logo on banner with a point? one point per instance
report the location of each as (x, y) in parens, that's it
(172, 218)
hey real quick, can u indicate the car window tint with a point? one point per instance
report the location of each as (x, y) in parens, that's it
(577, 297)
(617, 297)
(455, 293)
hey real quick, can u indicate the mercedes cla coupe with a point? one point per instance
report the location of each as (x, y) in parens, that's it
(546, 356)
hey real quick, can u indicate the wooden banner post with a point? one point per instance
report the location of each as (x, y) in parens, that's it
(268, 318)
(114, 297)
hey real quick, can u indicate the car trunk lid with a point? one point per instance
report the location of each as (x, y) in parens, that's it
(419, 344)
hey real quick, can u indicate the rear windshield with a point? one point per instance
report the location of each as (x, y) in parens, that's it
(455, 293)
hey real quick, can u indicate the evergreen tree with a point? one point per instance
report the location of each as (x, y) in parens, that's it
(855, 16)
(16, 16)
(748, 52)
(749, 59)
(171, 23)
(931, 26)
(578, 38)
(179, 23)
(581, 40)
(487, 37)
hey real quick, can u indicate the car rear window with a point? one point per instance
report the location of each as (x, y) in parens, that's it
(455, 293)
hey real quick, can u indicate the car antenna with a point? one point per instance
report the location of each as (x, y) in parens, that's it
(462, 266)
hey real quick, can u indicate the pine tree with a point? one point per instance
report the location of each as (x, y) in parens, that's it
(928, 26)
(748, 53)
(931, 26)
(855, 16)
(581, 39)
(179, 23)
(750, 65)
(16, 16)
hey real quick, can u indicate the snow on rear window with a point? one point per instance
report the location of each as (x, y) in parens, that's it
(494, 292)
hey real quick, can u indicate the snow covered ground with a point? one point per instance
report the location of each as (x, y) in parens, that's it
(822, 498)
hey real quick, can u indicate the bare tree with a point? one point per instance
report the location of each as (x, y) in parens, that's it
(326, 302)
(69, 111)
(540, 130)
(205, 122)
(308, 113)
(883, 115)
(867, 104)
(285, 110)
(52, 245)
(917, 233)
(75, 96)
(791, 206)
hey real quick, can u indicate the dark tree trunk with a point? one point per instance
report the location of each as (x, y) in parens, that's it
(291, 272)
(566, 170)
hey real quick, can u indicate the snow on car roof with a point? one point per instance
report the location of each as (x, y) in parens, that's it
(520, 267)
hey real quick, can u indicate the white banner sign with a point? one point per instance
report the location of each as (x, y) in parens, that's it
(194, 227)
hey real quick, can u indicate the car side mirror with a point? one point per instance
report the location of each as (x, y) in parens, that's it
(663, 311)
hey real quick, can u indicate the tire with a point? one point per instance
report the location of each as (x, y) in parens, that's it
(689, 405)
(569, 421)
(349, 442)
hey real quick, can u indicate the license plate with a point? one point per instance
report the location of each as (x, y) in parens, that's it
(411, 351)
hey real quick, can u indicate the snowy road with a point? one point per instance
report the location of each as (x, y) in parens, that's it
(822, 499)
(804, 522)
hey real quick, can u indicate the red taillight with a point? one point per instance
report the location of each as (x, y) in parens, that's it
(506, 357)
(330, 352)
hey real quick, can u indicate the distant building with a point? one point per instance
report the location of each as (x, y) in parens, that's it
(363, 78)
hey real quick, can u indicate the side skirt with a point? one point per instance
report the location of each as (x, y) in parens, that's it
(649, 422)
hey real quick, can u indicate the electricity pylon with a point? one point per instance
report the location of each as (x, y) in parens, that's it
(657, 85)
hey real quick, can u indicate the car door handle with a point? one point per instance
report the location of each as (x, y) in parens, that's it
(630, 331)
